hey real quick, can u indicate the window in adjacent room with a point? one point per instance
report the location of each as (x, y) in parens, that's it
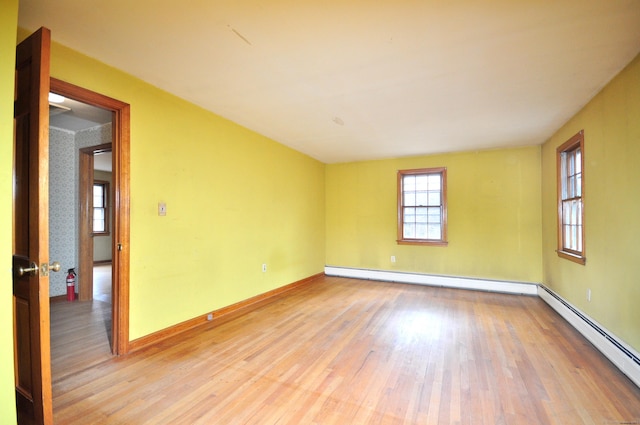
(570, 158)
(422, 206)
(100, 207)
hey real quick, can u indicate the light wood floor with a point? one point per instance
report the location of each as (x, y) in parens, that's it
(360, 352)
(81, 331)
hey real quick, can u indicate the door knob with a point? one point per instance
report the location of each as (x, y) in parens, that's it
(46, 268)
(23, 271)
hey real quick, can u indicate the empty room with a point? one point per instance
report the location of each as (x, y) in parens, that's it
(412, 212)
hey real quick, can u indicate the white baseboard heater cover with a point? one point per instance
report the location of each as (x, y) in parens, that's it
(435, 280)
(620, 354)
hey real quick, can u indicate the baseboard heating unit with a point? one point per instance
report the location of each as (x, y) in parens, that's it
(624, 357)
(435, 280)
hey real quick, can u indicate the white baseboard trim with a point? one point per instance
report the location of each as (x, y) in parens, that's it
(620, 354)
(434, 280)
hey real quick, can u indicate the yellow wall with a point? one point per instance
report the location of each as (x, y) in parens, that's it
(8, 25)
(611, 123)
(493, 214)
(235, 200)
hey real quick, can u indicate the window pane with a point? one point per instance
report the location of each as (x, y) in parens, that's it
(421, 215)
(572, 225)
(579, 239)
(410, 198)
(434, 232)
(409, 183)
(434, 215)
(571, 161)
(409, 215)
(98, 195)
(99, 222)
(421, 231)
(98, 225)
(421, 198)
(434, 198)
(422, 182)
(98, 213)
(563, 175)
(571, 189)
(434, 182)
(409, 231)
(579, 212)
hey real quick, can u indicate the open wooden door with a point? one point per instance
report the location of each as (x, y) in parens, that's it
(31, 231)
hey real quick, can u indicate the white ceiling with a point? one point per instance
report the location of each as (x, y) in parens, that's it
(345, 80)
(74, 116)
(102, 161)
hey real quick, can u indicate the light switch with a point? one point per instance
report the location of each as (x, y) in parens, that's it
(162, 208)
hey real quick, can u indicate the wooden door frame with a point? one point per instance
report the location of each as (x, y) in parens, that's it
(121, 175)
(85, 237)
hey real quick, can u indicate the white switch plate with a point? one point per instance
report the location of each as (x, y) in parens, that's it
(264, 268)
(393, 258)
(162, 208)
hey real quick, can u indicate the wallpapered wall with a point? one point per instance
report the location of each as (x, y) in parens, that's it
(63, 197)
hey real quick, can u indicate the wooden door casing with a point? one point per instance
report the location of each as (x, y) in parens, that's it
(121, 181)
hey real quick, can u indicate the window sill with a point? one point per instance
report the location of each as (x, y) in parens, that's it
(422, 242)
(572, 257)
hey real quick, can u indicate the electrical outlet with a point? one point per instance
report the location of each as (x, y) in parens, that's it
(589, 295)
(264, 268)
(210, 316)
(162, 208)
(393, 258)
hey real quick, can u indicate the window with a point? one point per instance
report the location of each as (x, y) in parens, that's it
(570, 158)
(100, 207)
(422, 206)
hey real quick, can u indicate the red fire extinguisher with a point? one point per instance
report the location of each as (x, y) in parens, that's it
(71, 285)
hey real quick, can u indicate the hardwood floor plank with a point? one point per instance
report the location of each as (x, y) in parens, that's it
(79, 336)
(342, 351)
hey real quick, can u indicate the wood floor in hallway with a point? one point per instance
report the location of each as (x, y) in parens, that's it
(346, 351)
(81, 331)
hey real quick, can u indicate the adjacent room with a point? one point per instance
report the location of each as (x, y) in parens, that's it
(331, 212)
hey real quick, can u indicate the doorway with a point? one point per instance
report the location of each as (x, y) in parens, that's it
(118, 144)
(81, 326)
